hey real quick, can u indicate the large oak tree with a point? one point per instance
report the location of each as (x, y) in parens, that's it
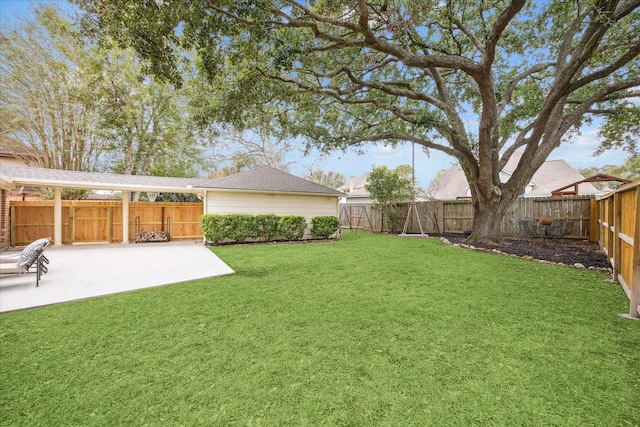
(477, 80)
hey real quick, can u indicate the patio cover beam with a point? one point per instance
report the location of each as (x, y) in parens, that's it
(57, 217)
(125, 217)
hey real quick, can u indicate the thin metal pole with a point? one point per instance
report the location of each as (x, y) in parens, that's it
(412, 204)
(413, 171)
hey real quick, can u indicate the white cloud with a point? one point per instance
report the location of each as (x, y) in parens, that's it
(580, 153)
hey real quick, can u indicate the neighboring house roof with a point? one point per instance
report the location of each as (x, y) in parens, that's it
(551, 175)
(355, 187)
(12, 148)
(261, 179)
(355, 183)
(13, 152)
(450, 185)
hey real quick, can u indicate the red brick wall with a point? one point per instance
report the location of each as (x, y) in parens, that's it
(5, 212)
(4, 223)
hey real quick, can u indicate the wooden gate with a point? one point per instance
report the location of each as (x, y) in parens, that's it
(91, 224)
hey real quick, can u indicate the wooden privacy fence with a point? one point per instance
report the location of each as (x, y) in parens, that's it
(618, 221)
(86, 221)
(456, 216)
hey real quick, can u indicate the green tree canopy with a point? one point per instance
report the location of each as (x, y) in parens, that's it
(475, 80)
(48, 101)
(629, 170)
(145, 122)
(387, 188)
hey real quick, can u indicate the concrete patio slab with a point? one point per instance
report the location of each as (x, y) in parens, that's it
(85, 271)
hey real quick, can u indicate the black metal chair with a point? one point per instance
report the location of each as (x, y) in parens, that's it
(531, 227)
(559, 229)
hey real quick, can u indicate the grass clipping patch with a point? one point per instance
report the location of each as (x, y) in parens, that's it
(370, 330)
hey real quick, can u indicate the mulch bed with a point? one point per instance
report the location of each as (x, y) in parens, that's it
(565, 251)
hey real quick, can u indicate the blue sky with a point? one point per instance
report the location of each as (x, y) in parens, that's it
(579, 154)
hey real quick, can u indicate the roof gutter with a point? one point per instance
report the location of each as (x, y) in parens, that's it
(290, 193)
(7, 182)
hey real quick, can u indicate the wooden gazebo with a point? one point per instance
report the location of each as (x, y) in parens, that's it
(572, 189)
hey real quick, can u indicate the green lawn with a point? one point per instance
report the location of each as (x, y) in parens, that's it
(370, 330)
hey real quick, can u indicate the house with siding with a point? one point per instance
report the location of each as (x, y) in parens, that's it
(354, 190)
(263, 190)
(553, 174)
(14, 153)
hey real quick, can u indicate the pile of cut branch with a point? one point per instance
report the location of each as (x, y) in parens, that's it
(152, 236)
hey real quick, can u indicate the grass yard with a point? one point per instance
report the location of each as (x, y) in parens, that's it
(369, 331)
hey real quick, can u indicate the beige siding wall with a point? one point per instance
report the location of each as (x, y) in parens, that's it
(278, 204)
(12, 161)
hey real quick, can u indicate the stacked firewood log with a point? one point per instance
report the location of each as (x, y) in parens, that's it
(152, 236)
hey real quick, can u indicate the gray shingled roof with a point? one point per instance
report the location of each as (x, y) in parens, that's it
(268, 179)
(261, 179)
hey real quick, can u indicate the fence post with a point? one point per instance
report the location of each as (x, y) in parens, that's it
(12, 225)
(617, 229)
(634, 300)
(593, 221)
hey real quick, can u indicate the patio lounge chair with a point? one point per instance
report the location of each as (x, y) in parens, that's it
(31, 256)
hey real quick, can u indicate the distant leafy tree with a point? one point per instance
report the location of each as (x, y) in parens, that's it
(84, 106)
(145, 122)
(236, 151)
(387, 188)
(48, 97)
(331, 179)
(177, 197)
(591, 170)
(629, 170)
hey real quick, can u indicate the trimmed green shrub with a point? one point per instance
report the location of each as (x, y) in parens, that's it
(267, 226)
(239, 227)
(324, 226)
(213, 227)
(292, 227)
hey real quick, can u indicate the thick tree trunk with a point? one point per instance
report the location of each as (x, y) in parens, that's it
(487, 220)
(486, 226)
